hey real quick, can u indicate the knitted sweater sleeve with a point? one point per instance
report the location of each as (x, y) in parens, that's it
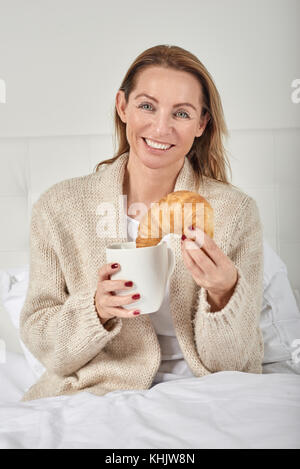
(63, 331)
(231, 339)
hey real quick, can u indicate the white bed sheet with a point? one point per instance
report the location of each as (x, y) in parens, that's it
(223, 410)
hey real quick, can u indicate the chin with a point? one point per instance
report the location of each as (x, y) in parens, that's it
(155, 162)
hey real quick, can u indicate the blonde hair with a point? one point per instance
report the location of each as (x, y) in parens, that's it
(207, 155)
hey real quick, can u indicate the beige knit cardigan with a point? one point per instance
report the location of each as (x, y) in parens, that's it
(70, 228)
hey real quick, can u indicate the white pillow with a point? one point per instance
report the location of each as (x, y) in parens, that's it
(14, 285)
(280, 316)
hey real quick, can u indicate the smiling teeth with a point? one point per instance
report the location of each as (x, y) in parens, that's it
(157, 145)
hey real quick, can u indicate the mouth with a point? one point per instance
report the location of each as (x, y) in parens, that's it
(156, 150)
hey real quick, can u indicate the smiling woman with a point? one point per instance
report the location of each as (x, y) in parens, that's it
(169, 124)
(168, 97)
(160, 130)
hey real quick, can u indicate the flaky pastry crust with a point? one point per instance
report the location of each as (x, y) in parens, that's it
(174, 213)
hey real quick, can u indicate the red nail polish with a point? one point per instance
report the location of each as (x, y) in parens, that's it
(191, 227)
(183, 237)
(114, 266)
(136, 296)
(136, 313)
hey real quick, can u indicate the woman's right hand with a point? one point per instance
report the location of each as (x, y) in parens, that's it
(108, 304)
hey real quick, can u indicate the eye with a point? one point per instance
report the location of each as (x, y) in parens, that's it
(185, 114)
(148, 104)
(144, 104)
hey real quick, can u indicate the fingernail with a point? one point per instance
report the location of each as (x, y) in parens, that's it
(136, 296)
(128, 284)
(136, 313)
(114, 266)
(191, 228)
(183, 237)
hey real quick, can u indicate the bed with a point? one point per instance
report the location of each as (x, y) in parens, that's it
(222, 410)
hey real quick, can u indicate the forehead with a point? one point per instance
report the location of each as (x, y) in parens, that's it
(173, 84)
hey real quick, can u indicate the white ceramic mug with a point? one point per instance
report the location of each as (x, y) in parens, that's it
(148, 268)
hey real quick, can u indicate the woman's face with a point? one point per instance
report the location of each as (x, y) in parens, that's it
(160, 118)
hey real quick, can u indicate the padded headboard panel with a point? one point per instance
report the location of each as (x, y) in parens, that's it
(265, 165)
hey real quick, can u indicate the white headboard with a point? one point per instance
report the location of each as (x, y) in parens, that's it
(265, 164)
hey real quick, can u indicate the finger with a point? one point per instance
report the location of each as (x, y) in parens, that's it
(207, 244)
(107, 270)
(111, 301)
(113, 285)
(201, 259)
(190, 263)
(197, 274)
(122, 312)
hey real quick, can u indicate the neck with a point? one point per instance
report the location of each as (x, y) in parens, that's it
(147, 185)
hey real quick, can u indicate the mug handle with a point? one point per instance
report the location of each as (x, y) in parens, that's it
(171, 262)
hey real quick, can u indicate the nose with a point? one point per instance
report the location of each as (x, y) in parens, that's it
(162, 125)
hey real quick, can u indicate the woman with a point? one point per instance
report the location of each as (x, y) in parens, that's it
(72, 319)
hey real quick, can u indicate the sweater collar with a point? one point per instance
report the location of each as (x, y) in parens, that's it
(112, 189)
(185, 179)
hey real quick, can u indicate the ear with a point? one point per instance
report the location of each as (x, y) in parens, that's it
(203, 123)
(121, 105)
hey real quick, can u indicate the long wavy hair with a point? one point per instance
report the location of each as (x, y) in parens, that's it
(207, 155)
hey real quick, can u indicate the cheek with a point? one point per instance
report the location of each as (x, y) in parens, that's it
(131, 132)
(187, 136)
(135, 126)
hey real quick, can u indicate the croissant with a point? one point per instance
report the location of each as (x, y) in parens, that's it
(174, 213)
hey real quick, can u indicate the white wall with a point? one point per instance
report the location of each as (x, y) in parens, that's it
(63, 60)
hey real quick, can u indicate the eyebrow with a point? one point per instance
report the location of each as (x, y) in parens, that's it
(175, 105)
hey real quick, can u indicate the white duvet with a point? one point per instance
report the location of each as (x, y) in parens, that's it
(223, 410)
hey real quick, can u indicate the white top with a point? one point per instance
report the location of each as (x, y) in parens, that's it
(173, 364)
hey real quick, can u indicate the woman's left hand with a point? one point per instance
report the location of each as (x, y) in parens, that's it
(210, 268)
